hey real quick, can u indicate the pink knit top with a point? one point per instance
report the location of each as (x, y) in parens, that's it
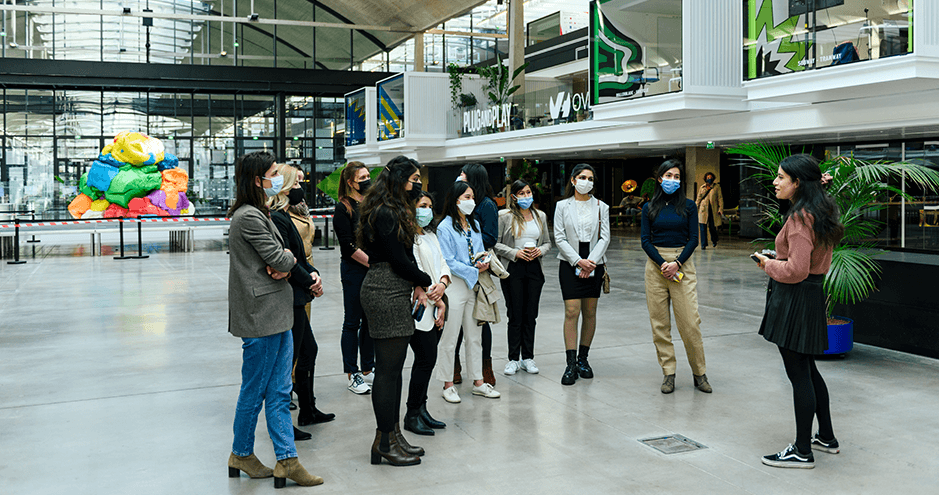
(797, 256)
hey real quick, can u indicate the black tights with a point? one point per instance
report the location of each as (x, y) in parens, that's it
(386, 391)
(810, 397)
(424, 345)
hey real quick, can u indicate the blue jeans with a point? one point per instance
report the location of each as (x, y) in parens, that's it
(265, 380)
(355, 341)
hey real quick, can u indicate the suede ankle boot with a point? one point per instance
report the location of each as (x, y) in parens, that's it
(394, 454)
(570, 373)
(249, 464)
(457, 369)
(403, 443)
(290, 468)
(488, 376)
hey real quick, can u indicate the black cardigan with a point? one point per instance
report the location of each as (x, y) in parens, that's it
(300, 279)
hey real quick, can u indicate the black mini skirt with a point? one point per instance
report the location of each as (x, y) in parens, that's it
(574, 287)
(795, 316)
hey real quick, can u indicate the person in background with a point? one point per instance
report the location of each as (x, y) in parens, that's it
(393, 285)
(795, 316)
(582, 234)
(430, 260)
(354, 182)
(631, 205)
(710, 207)
(259, 309)
(461, 243)
(300, 216)
(669, 237)
(306, 284)
(487, 214)
(523, 241)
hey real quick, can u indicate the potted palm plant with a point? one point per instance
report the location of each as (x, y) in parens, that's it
(862, 190)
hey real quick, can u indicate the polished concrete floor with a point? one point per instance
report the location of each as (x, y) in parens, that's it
(120, 377)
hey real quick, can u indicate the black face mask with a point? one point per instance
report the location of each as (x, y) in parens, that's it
(709, 180)
(364, 185)
(415, 192)
(295, 196)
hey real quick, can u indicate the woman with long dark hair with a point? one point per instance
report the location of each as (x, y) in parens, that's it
(582, 233)
(795, 317)
(487, 214)
(669, 238)
(523, 241)
(386, 232)
(260, 313)
(307, 284)
(354, 181)
(461, 243)
(430, 260)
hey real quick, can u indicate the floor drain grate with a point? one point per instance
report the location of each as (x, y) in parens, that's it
(672, 444)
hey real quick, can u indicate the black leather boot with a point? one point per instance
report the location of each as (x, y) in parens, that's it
(429, 420)
(570, 373)
(583, 367)
(414, 424)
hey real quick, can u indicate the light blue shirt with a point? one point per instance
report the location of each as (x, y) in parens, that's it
(456, 251)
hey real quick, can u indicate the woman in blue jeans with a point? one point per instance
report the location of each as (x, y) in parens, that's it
(260, 313)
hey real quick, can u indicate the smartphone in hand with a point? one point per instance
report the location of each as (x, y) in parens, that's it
(418, 311)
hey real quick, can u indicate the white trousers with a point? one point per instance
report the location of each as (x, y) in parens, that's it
(462, 301)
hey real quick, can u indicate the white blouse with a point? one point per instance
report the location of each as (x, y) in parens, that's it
(586, 218)
(430, 260)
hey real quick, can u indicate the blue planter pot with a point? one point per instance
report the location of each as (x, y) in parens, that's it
(840, 337)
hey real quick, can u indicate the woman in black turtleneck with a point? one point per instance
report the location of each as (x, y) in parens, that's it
(669, 238)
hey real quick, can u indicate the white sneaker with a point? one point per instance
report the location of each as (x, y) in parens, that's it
(369, 378)
(511, 368)
(486, 391)
(529, 366)
(451, 395)
(357, 384)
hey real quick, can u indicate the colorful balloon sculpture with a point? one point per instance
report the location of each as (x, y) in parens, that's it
(133, 176)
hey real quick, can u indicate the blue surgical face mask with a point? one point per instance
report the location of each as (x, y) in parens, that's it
(670, 185)
(525, 203)
(424, 216)
(277, 183)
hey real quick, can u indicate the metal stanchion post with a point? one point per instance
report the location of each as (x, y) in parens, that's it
(140, 254)
(16, 243)
(326, 237)
(121, 228)
(33, 236)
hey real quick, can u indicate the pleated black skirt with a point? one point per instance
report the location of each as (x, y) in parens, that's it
(795, 316)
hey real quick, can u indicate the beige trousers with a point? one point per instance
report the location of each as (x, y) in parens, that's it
(462, 300)
(683, 298)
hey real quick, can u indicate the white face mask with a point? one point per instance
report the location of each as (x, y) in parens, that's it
(466, 206)
(583, 186)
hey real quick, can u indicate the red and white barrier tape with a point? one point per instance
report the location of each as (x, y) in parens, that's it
(108, 220)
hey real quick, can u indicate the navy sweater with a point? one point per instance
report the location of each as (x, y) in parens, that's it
(670, 230)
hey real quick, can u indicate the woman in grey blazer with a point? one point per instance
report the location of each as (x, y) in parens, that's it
(582, 233)
(523, 241)
(260, 312)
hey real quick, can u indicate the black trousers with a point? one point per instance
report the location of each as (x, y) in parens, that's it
(704, 228)
(304, 360)
(522, 292)
(809, 397)
(386, 391)
(487, 342)
(424, 345)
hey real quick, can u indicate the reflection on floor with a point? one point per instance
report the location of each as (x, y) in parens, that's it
(120, 377)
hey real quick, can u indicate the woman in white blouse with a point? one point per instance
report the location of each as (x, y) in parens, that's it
(424, 342)
(523, 241)
(582, 233)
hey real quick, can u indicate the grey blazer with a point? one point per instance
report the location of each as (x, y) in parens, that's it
(565, 232)
(258, 306)
(505, 244)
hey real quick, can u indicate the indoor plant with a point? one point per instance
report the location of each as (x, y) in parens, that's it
(862, 190)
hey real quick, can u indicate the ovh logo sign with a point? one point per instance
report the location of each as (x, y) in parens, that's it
(561, 107)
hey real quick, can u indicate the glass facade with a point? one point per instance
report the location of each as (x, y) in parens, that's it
(786, 36)
(635, 49)
(49, 138)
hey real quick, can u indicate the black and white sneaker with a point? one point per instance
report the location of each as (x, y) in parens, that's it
(819, 444)
(790, 457)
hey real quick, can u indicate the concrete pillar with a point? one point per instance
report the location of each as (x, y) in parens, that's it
(699, 161)
(419, 52)
(516, 32)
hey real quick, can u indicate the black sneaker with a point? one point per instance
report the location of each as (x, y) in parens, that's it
(790, 457)
(819, 444)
